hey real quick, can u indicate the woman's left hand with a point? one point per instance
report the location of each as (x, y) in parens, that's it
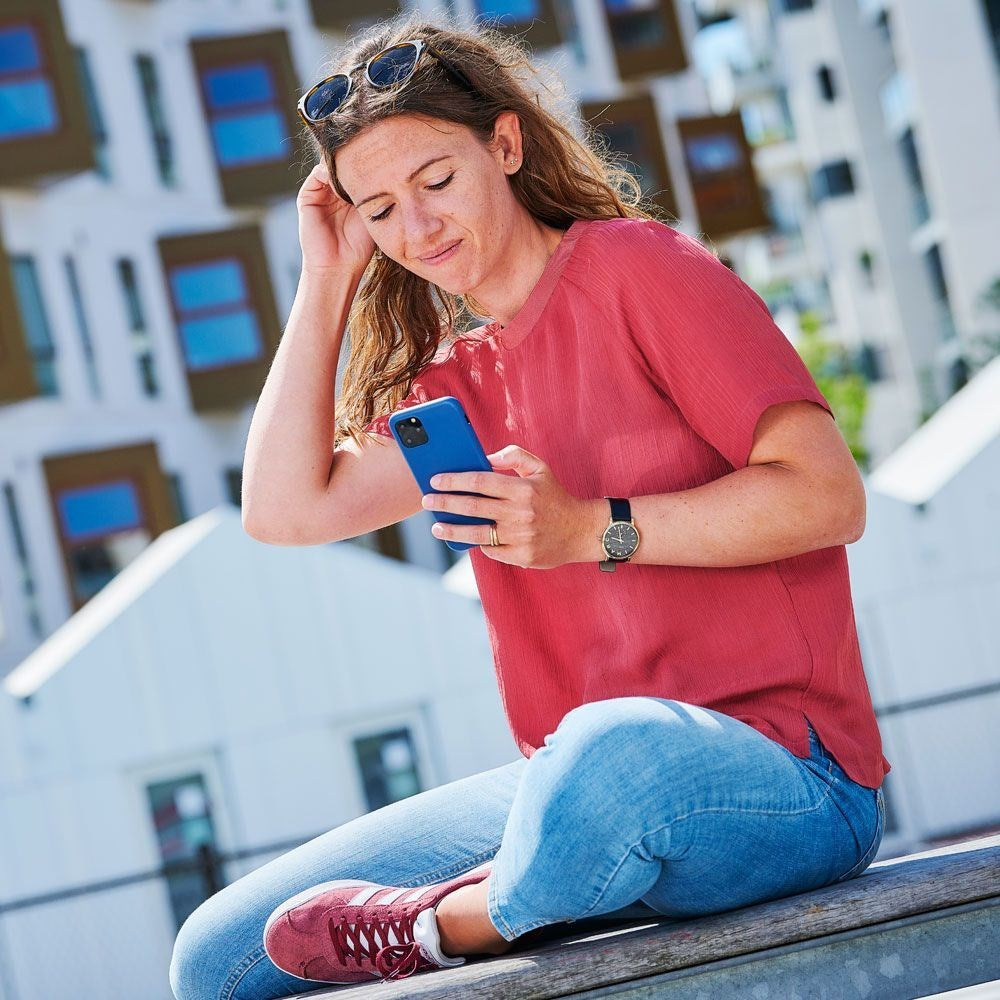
(538, 523)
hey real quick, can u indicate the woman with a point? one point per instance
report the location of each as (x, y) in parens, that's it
(695, 727)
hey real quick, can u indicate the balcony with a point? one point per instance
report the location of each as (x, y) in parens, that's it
(248, 90)
(646, 37)
(346, 16)
(722, 175)
(44, 125)
(224, 312)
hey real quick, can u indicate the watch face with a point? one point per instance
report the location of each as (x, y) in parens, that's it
(620, 539)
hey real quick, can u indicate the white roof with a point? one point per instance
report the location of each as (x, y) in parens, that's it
(946, 443)
(109, 602)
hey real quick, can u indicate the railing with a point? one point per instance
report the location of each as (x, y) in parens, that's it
(208, 863)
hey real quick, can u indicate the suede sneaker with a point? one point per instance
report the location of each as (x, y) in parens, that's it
(353, 931)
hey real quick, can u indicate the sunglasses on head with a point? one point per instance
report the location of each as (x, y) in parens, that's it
(387, 68)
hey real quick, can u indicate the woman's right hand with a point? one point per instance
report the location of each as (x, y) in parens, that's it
(331, 231)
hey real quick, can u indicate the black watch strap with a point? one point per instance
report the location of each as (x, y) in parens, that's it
(621, 510)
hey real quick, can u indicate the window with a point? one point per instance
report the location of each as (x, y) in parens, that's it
(218, 325)
(866, 262)
(35, 322)
(224, 313)
(104, 528)
(81, 322)
(824, 77)
(935, 268)
(248, 90)
(833, 180)
(149, 84)
(45, 128)
(98, 132)
(234, 485)
(142, 345)
(723, 180)
(646, 37)
(911, 166)
(23, 561)
(182, 817)
(631, 128)
(939, 289)
(388, 766)
(991, 11)
(791, 6)
(176, 487)
(108, 505)
(767, 119)
(246, 124)
(868, 360)
(28, 104)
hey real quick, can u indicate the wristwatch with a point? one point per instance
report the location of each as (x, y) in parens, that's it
(620, 538)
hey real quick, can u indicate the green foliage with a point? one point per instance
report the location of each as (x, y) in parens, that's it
(845, 388)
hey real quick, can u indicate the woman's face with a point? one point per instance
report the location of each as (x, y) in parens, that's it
(422, 184)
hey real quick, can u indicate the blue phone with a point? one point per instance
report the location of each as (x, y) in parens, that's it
(437, 436)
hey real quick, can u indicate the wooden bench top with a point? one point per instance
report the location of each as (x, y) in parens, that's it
(905, 927)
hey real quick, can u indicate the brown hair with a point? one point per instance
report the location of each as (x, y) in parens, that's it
(399, 319)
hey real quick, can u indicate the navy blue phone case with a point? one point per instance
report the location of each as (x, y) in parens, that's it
(452, 446)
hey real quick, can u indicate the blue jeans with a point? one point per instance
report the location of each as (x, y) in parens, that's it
(634, 806)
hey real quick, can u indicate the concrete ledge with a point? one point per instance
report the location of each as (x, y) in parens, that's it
(906, 927)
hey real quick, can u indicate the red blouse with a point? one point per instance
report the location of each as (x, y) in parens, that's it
(639, 364)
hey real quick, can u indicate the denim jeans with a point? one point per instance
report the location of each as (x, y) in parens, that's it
(634, 806)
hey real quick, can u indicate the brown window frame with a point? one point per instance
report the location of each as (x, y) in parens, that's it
(731, 203)
(69, 148)
(138, 463)
(17, 369)
(234, 384)
(640, 110)
(542, 32)
(255, 183)
(344, 15)
(669, 56)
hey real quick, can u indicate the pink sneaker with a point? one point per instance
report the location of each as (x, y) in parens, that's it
(353, 931)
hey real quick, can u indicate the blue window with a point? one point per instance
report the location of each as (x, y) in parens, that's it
(35, 321)
(629, 6)
(218, 324)
(27, 98)
(246, 122)
(509, 11)
(94, 511)
(714, 154)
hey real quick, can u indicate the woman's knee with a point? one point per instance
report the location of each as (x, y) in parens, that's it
(209, 950)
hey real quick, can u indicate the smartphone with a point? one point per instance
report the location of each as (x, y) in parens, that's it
(437, 436)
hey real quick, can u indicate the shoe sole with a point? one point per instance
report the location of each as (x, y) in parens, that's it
(318, 890)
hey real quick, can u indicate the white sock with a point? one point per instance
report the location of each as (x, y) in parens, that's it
(425, 931)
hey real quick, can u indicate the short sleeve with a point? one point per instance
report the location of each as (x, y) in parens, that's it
(707, 338)
(428, 384)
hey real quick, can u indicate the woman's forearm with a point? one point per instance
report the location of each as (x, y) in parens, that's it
(289, 448)
(752, 515)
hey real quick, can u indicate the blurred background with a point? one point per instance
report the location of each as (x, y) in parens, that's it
(181, 703)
